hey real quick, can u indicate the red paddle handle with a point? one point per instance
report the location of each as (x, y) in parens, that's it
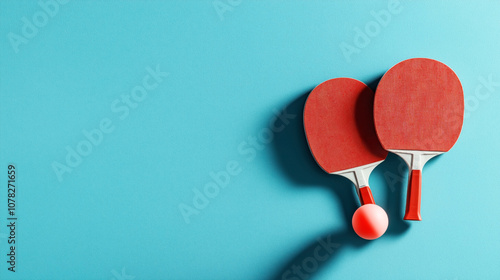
(413, 196)
(365, 196)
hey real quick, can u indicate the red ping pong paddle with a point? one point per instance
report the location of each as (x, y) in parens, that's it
(338, 122)
(418, 112)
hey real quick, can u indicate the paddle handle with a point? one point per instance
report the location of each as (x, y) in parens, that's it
(365, 196)
(413, 196)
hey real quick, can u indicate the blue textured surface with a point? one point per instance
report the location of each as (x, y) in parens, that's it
(233, 66)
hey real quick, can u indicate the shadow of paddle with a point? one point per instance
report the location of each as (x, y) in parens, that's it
(298, 165)
(394, 171)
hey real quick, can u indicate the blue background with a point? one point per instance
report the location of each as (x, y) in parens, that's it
(116, 215)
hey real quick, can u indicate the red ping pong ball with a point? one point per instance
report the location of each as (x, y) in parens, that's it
(370, 221)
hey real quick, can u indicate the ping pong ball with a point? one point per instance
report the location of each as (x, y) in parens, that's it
(370, 221)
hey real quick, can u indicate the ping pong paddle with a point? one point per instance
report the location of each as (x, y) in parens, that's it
(339, 127)
(418, 112)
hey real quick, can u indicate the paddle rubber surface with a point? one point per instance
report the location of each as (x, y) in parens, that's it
(338, 121)
(419, 105)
